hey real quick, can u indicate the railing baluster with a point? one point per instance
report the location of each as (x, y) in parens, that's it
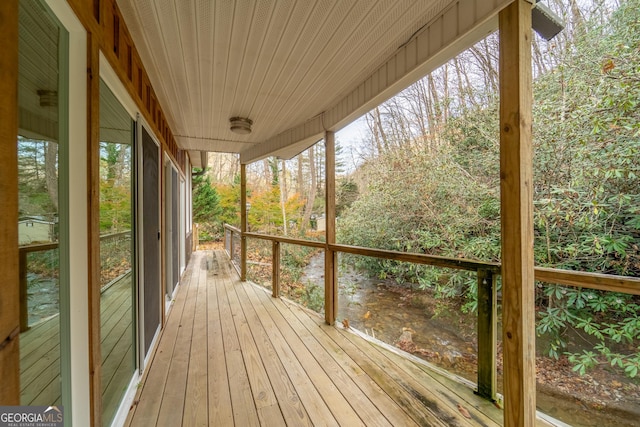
(24, 309)
(487, 337)
(275, 264)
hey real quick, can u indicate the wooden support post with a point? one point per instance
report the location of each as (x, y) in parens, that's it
(243, 222)
(10, 290)
(93, 185)
(516, 204)
(275, 272)
(330, 258)
(487, 338)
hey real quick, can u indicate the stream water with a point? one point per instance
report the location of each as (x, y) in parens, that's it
(42, 297)
(414, 321)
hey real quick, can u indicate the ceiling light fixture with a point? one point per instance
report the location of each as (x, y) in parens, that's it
(48, 98)
(240, 125)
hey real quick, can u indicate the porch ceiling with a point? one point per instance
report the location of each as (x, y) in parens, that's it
(295, 68)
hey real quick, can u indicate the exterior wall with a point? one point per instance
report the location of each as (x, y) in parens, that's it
(95, 27)
(9, 293)
(105, 23)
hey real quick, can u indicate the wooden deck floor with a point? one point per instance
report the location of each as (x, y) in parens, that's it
(40, 352)
(231, 354)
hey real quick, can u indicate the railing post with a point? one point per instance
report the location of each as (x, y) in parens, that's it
(243, 222)
(487, 336)
(330, 257)
(24, 308)
(275, 264)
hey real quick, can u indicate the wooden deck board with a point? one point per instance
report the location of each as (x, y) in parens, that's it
(219, 397)
(40, 349)
(155, 377)
(231, 354)
(290, 406)
(195, 408)
(319, 413)
(367, 411)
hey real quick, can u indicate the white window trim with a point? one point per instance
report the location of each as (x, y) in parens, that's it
(78, 214)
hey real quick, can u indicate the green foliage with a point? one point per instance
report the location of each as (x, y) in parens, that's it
(229, 203)
(313, 297)
(266, 211)
(206, 207)
(418, 202)
(33, 197)
(346, 194)
(115, 187)
(444, 201)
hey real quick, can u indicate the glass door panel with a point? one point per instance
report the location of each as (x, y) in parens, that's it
(43, 219)
(117, 314)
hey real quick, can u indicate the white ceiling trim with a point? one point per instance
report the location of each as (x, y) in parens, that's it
(461, 25)
(209, 144)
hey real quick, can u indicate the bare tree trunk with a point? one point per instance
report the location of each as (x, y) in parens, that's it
(380, 128)
(462, 93)
(312, 191)
(266, 173)
(283, 197)
(445, 92)
(538, 57)
(51, 171)
(299, 184)
(120, 166)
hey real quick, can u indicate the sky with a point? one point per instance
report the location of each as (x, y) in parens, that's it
(350, 138)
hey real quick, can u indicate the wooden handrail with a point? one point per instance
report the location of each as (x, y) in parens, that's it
(584, 279)
(41, 247)
(232, 228)
(434, 260)
(599, 281)
(38, 247)
(487, 301)
(289, 240)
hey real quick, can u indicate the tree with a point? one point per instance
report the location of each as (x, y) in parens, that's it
(206, 207)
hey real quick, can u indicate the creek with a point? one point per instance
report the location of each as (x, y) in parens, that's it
(417, 322)
(42, 297)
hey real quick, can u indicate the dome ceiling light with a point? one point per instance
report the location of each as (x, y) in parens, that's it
(240, 125)
(48, 98)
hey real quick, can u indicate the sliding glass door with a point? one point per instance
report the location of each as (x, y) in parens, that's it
(148, 247)
(117, 278)
(43, 206)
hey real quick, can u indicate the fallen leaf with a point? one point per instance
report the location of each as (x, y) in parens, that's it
(608, 66)
(463, 411)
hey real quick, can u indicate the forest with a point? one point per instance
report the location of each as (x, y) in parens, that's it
(424, 177)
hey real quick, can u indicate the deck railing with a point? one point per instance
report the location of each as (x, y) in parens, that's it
(119, 243)
(486, 272)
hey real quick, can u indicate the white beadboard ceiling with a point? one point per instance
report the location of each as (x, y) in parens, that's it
(294, 67)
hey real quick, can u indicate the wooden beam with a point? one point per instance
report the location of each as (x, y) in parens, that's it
(516, 186)
(9, 295)
(331, 256)
(93, 211)
(243, 222)
(163, 237)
